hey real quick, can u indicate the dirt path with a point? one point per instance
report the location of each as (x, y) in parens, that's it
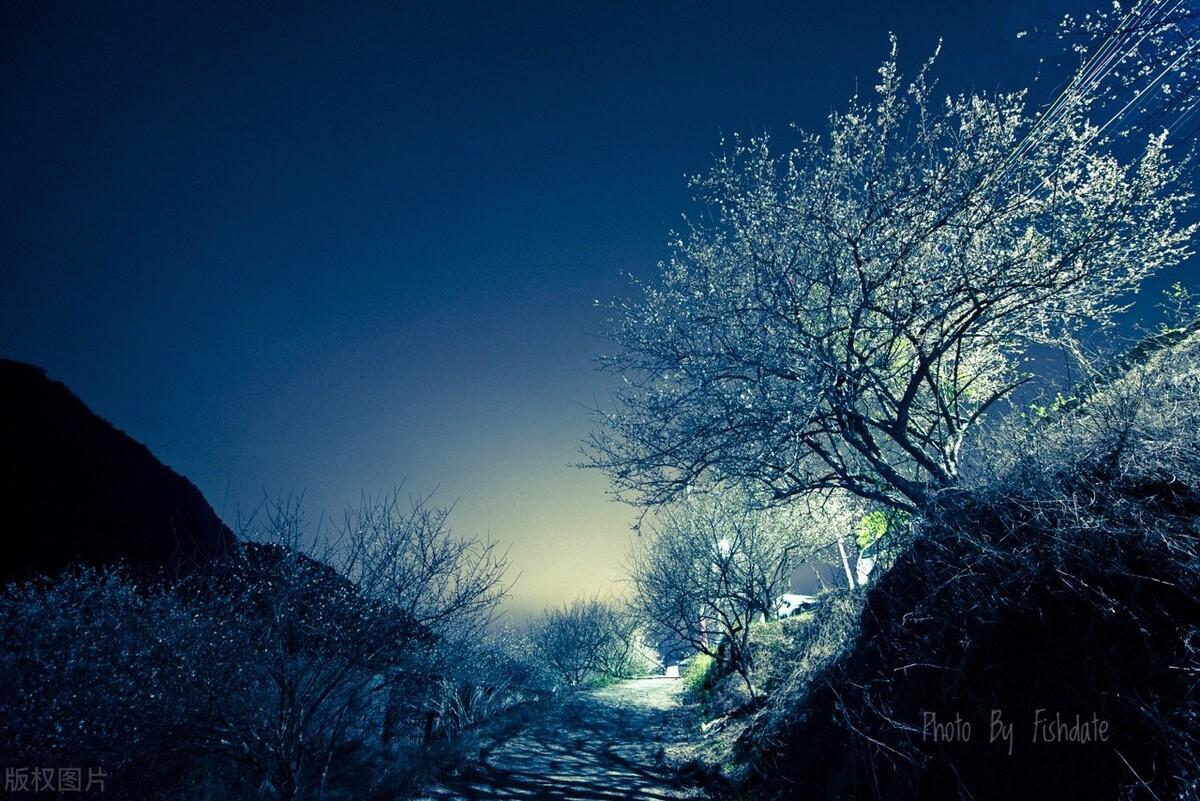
(604, 744)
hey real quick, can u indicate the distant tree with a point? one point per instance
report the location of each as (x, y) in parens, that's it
(587, 639)
(709, 569)
(845, 313)
(628, 653)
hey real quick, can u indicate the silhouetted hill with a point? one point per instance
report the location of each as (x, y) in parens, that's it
(76, 488)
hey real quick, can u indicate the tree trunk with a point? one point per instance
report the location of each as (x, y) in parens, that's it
(846, 563)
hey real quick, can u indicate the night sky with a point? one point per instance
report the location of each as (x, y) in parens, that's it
(320, 249)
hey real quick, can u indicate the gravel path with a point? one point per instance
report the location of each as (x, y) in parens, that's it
(604, 744)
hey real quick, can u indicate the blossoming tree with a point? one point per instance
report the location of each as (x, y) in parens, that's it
(848, 310)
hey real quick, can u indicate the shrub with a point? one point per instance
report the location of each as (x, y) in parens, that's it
(275, 676)
(699, 676)
(96, 675)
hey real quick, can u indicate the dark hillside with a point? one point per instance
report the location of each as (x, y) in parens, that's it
(1066, 585)
(74, 487)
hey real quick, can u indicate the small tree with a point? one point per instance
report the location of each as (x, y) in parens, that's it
(628, 654)
(709, 570)
(849, 310)
(585, 640)
(373, 622)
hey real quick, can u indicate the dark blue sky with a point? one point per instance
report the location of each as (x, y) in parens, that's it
(323, 247)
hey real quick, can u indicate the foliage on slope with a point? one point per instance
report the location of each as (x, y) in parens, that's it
(1066, 584)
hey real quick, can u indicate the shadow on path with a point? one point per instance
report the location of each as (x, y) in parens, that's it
(601, 745)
